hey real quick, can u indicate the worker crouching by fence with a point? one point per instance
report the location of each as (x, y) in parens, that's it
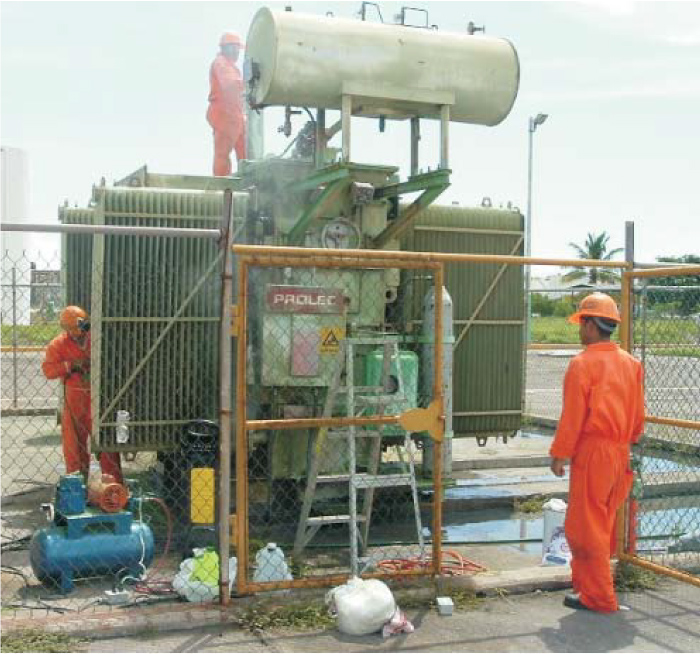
(68, 358)
(603, 415)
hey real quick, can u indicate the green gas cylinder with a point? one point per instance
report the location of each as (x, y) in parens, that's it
(403, 377)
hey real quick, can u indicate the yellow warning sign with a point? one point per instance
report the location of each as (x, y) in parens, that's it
(330, 339)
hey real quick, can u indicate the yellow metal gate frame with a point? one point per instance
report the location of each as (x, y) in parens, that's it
(624, 552)
(254, 255)
(431, 419)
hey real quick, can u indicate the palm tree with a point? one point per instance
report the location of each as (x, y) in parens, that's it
(595, 247)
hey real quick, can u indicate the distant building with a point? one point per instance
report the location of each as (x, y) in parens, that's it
(45, 295)
(555, 286)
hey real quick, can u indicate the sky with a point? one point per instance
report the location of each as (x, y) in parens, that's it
(97, 89)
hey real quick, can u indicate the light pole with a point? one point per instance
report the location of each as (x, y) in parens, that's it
(534, 123)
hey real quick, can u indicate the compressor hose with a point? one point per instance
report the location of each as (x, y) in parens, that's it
(453, 564)
(148, 585)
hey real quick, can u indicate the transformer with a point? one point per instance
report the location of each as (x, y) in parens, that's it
(317, 196)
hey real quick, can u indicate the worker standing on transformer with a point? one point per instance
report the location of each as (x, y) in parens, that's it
(225, 113)
(68, 358)
(603, 415)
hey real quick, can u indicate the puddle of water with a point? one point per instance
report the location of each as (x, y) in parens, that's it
(532, 435)
(494, 526)
(509, 481)
(656, 464)
(469, 492)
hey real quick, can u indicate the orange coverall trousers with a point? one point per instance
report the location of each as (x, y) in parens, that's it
(599, 483)
(225, 141)
(76, 424)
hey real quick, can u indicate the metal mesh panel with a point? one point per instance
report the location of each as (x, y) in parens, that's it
(666, 501)
(158, 310)
(325, 343)
(552, 343)
(68, 559)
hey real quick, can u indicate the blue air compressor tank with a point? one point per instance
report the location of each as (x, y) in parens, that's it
(90, 545)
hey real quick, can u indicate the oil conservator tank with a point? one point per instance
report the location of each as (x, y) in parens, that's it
(308, 60)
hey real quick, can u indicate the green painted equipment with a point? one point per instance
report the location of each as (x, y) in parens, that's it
(403, 374)
(489, 310)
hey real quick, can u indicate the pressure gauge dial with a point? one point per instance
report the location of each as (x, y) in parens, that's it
(341, 234)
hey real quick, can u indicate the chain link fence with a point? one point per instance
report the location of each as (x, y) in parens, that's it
(665, 507)
(552, 343)
(323, 343)
(73, 542)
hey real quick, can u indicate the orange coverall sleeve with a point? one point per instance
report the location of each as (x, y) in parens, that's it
(574, 412)
(56, 365)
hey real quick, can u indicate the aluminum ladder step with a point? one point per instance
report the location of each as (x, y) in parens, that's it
(359, 433)
(319, 520)
(363, 480)
(383, 481)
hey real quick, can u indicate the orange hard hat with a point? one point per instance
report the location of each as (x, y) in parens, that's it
(230, 38)
(74, 320)
(596, 305)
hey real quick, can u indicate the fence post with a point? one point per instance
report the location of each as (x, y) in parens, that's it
(14, 337)
(624, 516)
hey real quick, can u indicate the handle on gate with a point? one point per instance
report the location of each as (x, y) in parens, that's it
(431, 419)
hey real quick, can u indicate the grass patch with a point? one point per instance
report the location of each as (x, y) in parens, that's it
(555, 330)
(30, 335)
(530, 505)
(464, 600)
(675, 351)
(631, 578)
(35, 640)
(303, 617)
(681, 333)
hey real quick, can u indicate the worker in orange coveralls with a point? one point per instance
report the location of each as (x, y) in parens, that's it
(603, 415)
(225, 113)
(68, 358)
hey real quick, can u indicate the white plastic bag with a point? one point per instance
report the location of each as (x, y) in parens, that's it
(194, 590)
(398, 624)
(554, 515)
(270, 565)
(557, 552)
(361, 606)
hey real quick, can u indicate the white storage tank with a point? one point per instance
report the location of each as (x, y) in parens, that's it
(17, 247)
(306, 60)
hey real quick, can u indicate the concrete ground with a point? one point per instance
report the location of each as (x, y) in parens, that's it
(664, 620)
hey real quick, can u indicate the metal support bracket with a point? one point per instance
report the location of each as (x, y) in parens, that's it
(431, 420)
(408, 215)
(329, 194)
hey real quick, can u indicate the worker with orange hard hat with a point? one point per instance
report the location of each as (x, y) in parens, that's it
(603, 415)
(68, 358)
(225, 113)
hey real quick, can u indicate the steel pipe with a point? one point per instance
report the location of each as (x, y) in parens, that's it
(114, 230)
(342, 257)
(660, 569)
(673, 422)
(664, 272)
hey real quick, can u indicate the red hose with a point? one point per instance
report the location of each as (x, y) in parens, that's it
(158, 587)
(453, 566)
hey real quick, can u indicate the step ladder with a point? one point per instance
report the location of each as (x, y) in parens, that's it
(358, 399)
